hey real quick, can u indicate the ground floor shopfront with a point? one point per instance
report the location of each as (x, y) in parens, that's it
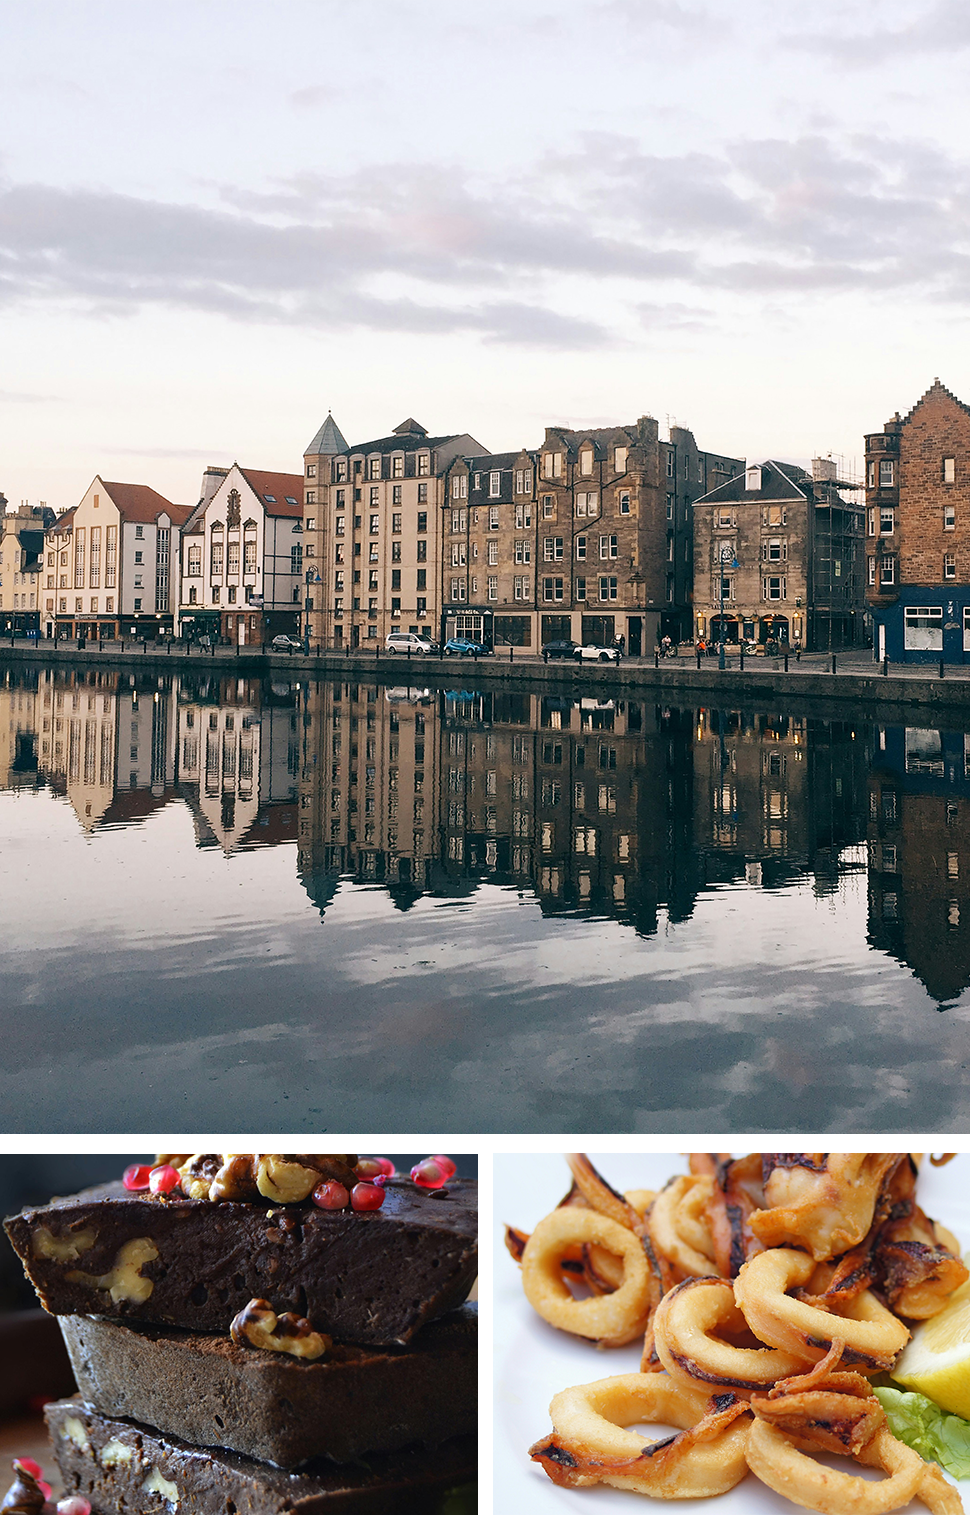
(146, 628)
(924, 625)
(240, 628)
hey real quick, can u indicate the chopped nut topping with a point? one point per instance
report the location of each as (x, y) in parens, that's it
(281, 1177)
(258, 1325)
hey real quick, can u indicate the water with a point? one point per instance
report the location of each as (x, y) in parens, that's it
(243, 905)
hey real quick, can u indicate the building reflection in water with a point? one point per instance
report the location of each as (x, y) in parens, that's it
(919, 854)
(611, 808)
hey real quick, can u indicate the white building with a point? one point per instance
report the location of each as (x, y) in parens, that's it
(111, 564)
(242, 557)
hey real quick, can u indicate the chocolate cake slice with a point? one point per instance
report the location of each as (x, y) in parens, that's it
(268, 1405)
(119, 1466)
(372, 1278)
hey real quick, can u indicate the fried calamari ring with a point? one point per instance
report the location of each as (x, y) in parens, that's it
(613, 1319)
(872, 1335)
(684, 1337)
(678, 1229)
(774, 1459)
(591, 1445)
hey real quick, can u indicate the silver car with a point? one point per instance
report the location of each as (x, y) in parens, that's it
(591, 654)
(407, 641)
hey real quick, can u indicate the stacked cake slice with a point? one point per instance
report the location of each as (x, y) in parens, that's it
(243, 1355)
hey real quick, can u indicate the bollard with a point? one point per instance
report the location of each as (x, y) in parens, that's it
(511, 650)
(786, 662)
(656, 660)
(942, 667)
(698, 660)
(741, 660)
(833, 662)
(885, 666)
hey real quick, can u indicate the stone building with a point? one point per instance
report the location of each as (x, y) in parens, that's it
(918, 531)
(21, 566)
(489, 543)
(112, 564)
(242, 557)
(614, 532)
(777, 552)
(371, 529)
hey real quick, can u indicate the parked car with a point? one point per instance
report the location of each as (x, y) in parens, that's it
(286, 644)
(409, 641)
(565, 649)
(465, 647)
(591, 654)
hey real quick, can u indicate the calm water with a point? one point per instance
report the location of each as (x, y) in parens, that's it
(241, 905)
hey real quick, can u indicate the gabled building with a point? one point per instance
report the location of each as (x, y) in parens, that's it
(489, 535)
(112, 564)
(918, 531)
(372, 532)
(242, 557)
(777, 554)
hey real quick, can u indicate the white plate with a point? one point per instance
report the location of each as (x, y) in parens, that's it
(533, 1361)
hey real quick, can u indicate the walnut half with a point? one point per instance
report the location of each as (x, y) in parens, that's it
(258, 1325)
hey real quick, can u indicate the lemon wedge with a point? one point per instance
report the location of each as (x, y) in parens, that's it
(936, 1362)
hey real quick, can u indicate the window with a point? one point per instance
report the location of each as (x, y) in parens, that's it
(372, 578)
(459, 486)
(422, 521)
(311, 470)
(309, 498)
(548, 508)
(871, 563)
(373, 468)
(396, 494)
(232, 561)
(395, 552)
(395, 578)
(338, 525)
(887, 569)
(870, 475)
(724, 588)
(581, 548)
(422, 550)
(609, 547)
(375, 525)
(492, 551)
(137, 604)
(774, 550)
(774, 589)
(552, 465)
(723, 518)
(581, 590)
(619, 459)
(194, 568)
(520, 588)
(886, 520)
(139, 532)
(775, 515)
(870, 522)
(491, 588)
(608, 588)
(424, 462)
(552, 589)
(523, 481)
(458, 555)
(670, 462)
(310, 523)
(949, 566)
(396, 522)
(624, 498)
(886, 473)
(552, 548)
(459, 520)
(586, 462)
(458, 590)
(422, 578)
(397, 466)
(923, 628)
(949, 518)
(495, 482)
(523, 515)
(523, 552)
(949, 470)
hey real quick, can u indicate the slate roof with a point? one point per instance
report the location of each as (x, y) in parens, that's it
(329, 439)
(779, 481)
(138, 502)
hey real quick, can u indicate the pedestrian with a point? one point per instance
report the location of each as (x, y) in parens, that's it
(619, 642)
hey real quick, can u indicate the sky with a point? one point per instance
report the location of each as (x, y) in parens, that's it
(218, 221)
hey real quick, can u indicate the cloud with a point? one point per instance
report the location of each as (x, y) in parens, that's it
(561, 255)
(942, 28)
(314, 95)
(19, 397)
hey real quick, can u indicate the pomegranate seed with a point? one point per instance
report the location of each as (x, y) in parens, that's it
(164, 1179)
(368, 1169)
(445, 1164)
(74, 1504)
(331, 1196)
(33, 1468)
(136, 1177)
(387, 1167)
(367, 1197)
(428, 1175)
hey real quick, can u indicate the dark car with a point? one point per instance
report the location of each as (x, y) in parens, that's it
(465, 647)
(559, 649)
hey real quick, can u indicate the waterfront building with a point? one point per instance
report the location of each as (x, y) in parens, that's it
(614, 532)
(112, 564)
(242, 557)
(489, 549)
(918, 531)
(777, 559)
(371, 528)
(21, 566)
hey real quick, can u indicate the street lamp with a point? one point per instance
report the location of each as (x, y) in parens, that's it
(312, 577)
(726, 559)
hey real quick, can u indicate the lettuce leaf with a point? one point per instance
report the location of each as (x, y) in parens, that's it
(937, 1435)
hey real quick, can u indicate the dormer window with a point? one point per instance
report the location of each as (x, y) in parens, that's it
(270, 499)
(424, 462)
(752, 478)
(586, 462)
(619, 459)
(495, 483)
(397, 466)
(374, 468)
